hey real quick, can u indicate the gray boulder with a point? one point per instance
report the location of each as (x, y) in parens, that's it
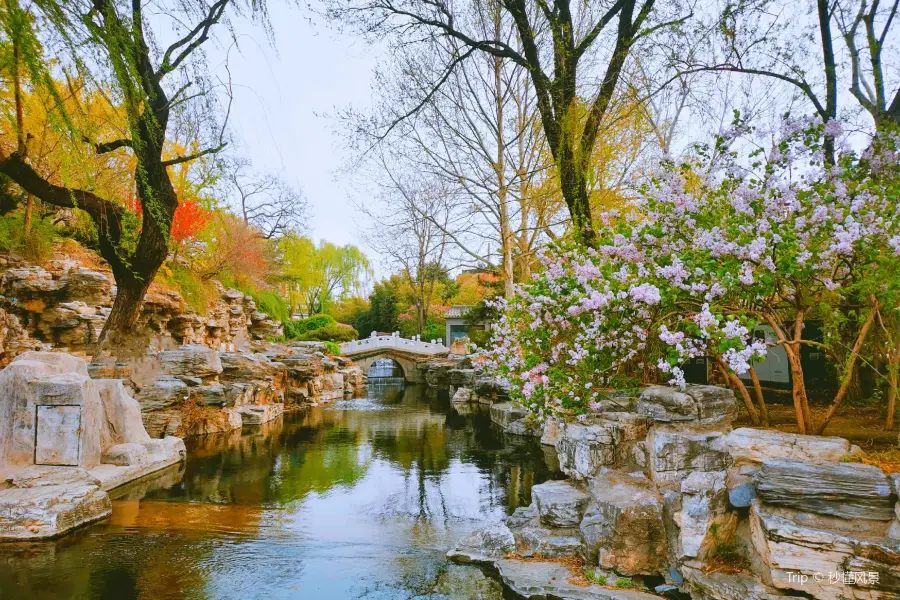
(676, 452)
(699, 403)
(484, 545)
(547, 542)
(559, 503)
(849, 490)
(704, 520)
(585, 448)
(623, 526)
(760, 445)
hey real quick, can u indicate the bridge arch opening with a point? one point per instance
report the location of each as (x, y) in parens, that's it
(385, 368)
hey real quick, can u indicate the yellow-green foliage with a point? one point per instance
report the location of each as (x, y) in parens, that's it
(198, 292)
(36, 246)
(271, 303)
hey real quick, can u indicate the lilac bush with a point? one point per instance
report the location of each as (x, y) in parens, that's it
(710, 249)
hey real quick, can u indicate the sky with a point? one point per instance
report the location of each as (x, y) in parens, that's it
(284, 96)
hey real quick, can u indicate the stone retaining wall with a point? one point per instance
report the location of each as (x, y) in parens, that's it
(663, 492)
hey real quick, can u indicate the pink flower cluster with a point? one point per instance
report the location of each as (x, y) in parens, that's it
(705, 254)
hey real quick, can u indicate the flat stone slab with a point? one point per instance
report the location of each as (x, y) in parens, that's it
(540, 580)
(700, 403)
(559, 503)
(484, 546)
(849, 490)
(760, 445)
(792, 543)
(257, 414)
(47, 502)
(704, 585)
(161, 453)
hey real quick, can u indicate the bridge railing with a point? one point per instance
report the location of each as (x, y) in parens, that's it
(393, 342)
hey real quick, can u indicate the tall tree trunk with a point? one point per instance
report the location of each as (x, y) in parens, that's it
(892, 393)
(123, 319)
(22, 147)
(828, 60)
(757, 388)
(506, 242)
(848, 375)
(736, 384)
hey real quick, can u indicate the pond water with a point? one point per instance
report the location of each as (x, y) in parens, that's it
(359, 499)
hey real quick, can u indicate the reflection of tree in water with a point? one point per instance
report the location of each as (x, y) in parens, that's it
(168, 542)
(425, 449)
(274, 469)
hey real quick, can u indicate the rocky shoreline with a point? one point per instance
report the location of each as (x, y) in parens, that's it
(665, 498)
(70, 431)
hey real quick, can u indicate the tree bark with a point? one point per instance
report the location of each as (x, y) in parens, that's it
(757, 388)
(891, 397)
(735, 382)
(830, 74)
(506, 245)
(21, 146)
(848, 375)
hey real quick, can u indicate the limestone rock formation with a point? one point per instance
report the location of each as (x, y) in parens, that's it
(512, 418)
(700, 403)
(759, 445)
(484, 545)
(559, 503)
(623, 526)
(792, 544)
(65, 439)
(585, 448)
(65, 304)
(675, 452)
(542, 580)
(849, 490)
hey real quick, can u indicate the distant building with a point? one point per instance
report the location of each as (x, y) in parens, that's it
(458, 324)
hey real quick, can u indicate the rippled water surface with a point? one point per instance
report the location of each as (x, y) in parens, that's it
(360, 499)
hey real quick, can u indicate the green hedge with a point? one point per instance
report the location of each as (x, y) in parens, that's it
(295, 329)
(335, 332)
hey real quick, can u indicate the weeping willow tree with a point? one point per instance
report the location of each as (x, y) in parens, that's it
(167, 99)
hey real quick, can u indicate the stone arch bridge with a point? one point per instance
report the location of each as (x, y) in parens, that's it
(406, 353)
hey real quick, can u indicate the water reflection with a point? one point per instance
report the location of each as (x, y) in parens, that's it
(357, 500)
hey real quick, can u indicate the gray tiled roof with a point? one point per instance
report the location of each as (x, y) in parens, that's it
(459, 311)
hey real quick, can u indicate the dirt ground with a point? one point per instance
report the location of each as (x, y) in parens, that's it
(862, 425)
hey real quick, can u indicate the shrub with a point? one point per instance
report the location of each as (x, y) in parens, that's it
(37, 246)
(197, 292)
(595, 577)
(624, 584)
(295, 329)
(332, 349)
(315, 322)
(335, 332)
(271, 303)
